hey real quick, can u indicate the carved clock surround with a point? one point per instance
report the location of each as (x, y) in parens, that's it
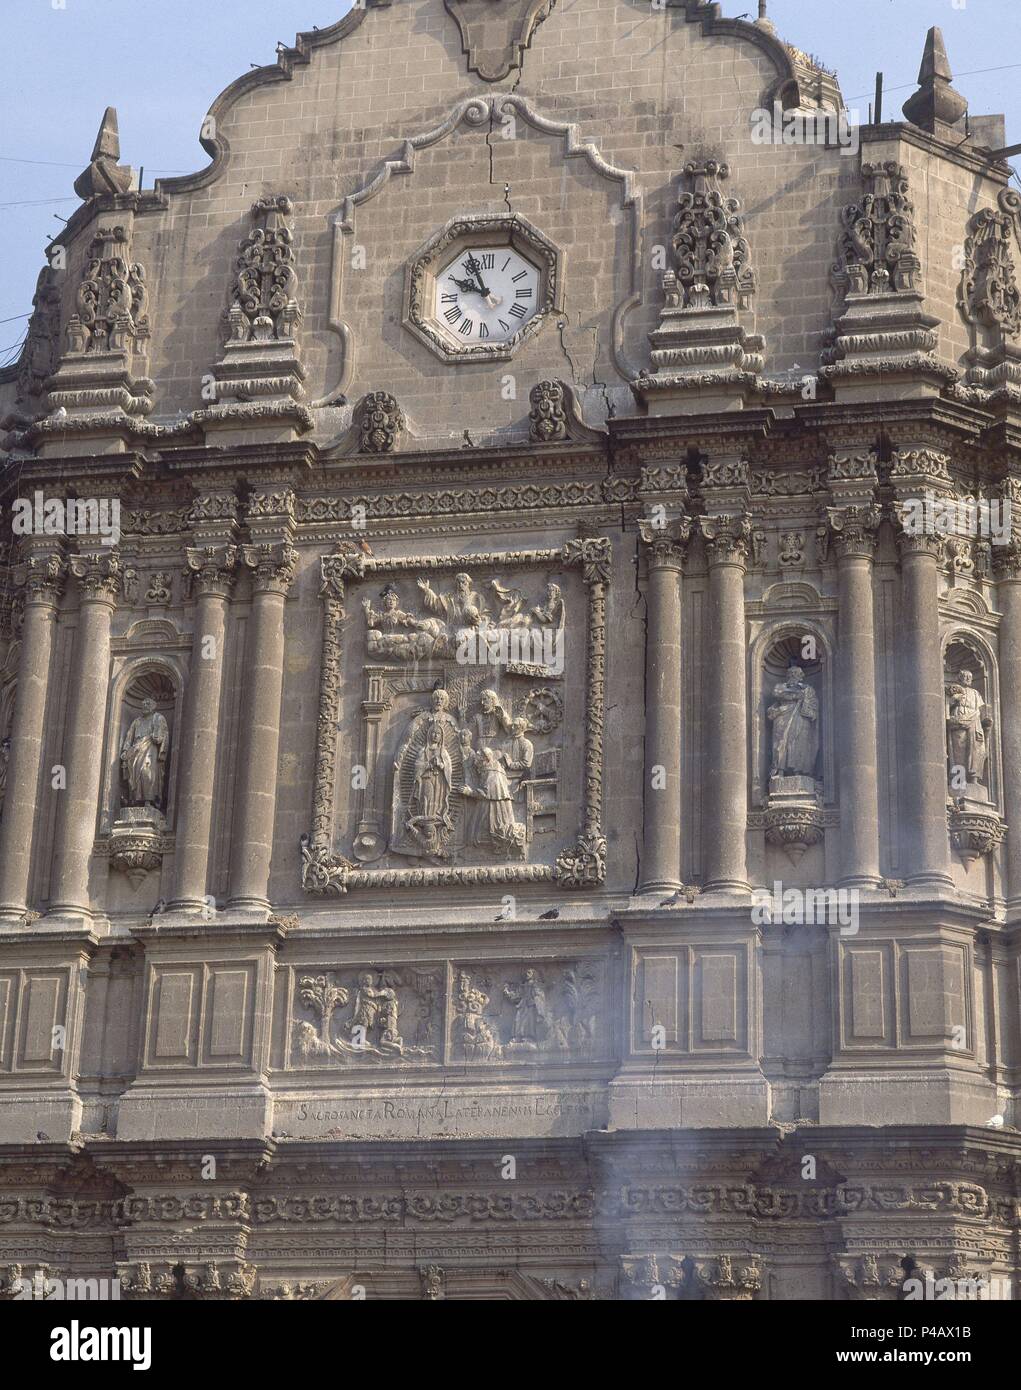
(498, 229)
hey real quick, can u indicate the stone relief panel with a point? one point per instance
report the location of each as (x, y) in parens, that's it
(479, 748)
(540, 1012)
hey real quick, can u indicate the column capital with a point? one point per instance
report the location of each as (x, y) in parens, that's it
(42, 576)
(273, 565)
(1007, 560)
(98, 574)
(211, 568)
(665, 545)
(917, 543)
(727, 538)
(852, 530)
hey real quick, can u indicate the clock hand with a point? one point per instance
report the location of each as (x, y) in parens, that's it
(464, 284)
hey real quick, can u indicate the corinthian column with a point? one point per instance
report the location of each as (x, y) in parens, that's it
(661, 851)
(923, 761)
(213, 574)
(42, 576)
(1007, 560)
(726, 540)
(273, 567)
(98, 576)
(854, 540)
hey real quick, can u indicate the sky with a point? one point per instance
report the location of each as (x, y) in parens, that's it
(161, 63)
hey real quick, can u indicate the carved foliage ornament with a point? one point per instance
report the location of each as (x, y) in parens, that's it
(989, 293)
(263, 305)
(381, 423)
(112, 300)
(877, 237)
(712, 256)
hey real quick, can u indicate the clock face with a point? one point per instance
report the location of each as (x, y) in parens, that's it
(486, 294)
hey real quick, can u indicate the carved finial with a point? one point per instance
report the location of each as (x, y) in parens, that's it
(104, 174)
(763, 21)
(935, 99)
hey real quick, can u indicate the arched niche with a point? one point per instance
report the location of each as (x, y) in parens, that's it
(791, 643)
(966, 651)
(160, 680)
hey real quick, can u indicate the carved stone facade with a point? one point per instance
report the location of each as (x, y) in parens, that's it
(531, 785)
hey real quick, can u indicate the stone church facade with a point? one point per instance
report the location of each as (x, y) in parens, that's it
(523, 799)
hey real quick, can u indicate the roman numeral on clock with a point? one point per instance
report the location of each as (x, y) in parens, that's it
(520, 276)
(452, 315)
(466, 327)
(524, 294)
(517, 311)
(483, 330)
(450, 298)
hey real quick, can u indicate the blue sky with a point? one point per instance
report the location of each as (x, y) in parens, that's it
(162, 62)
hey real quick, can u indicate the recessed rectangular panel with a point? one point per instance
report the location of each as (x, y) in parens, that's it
(229, 1002)
(173, 1016)
(43, 1031)
(656, 1000)
(7, 996)
(718, 1004)
(867, 1012)
(936, 1002)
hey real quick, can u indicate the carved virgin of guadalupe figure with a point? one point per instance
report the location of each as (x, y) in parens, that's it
(795, 720)
(144, 751)
(429, 807)
(966, 727)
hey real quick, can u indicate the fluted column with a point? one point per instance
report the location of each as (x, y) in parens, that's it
(920, 698)
(98, 577)
(1007, 560)
(212, 568)
(273, 567)
(42, 576)
(726, 722)
(854, 541)
(661, 852)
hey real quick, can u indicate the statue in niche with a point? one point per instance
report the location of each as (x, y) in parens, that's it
(968, 725)
(794, 716)
(143, 753)
(5, 757)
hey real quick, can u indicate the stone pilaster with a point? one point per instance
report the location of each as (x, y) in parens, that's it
(98, 576)
(853, 539)
(726, 539)
(661, 854)
(42, 576)
(1007, 562)
(915, 474)
(212, 569)
(272, 566)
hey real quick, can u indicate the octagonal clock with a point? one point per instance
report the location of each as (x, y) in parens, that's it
(481, 286)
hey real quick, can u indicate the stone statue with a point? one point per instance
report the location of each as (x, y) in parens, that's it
(795, 720)
(5, 757)
(144, 756)
(967, 726)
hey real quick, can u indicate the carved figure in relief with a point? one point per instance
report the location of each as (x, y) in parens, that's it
(512, 601)
(375, 1012)
(473, 1033)
(424, 638)
(429, 808)
(5, 757)
(501, 829)
(144, 751)
(551, 613)
(532, 1023)
(968, 723)
(371, 1031)
(492, 720)
(463, 608)
(795, 720)
(520, 753)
